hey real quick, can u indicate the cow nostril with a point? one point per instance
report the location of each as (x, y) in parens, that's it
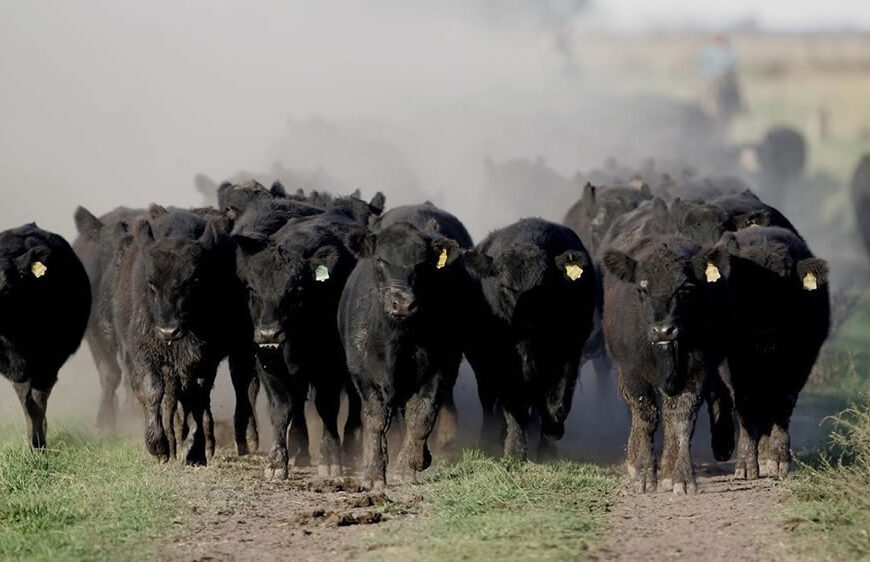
(395, 305)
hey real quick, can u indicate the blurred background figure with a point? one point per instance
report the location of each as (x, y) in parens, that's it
(560, 18)
(720, 91)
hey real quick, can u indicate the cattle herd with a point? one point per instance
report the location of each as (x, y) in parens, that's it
(694, 291)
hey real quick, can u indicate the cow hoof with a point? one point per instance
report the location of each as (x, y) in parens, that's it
(323, 470)
(632, 472)
(685, 488)
(777, 469)
(375, 485)
(275, 473)
(666, 484)
(335, 470)
(740, 473)
(242, 448)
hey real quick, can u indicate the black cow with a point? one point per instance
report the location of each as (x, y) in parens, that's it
(294, 280)
(745, 210)
(592, 215)
(96, 246)
(45, 300)
(860, 191)
(781, 315)
(657, 316)
(178, 311)
(398, 319)
(358, 208)
(539, 282)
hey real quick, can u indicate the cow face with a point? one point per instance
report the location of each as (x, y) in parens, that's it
(701, 223)
(174, 271)
(409, 266)
(523, 271)
(234, 199)
(22, 270)
(671, 289)
(284, 281)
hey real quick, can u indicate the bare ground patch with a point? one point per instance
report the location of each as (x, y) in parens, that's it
(727, 520)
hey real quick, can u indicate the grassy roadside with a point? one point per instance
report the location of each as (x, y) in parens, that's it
(491, 509)
(86, 497)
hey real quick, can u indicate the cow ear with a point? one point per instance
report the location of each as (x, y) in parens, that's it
(432, 226)
(812, 272)
(249, 244)
(34, 262)
(323, 262)
(362, 243)
(87, 224)
(378, 203)
(588, 198)
(620, 265)
(357, 194)
(479, 265)
(142, 232)
(572, 265)
(446, 251)
(712, 264)
(156, 210)
(758, 217)
(277, 190)
(211, 234)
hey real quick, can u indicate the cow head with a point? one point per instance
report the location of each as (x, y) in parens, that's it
(409, 265)
(175, 270)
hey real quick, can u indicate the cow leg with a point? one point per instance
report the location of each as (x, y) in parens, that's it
(557, 405)
(376, 416)
(297, 440)
(169, 408)
(421, 414)
(779, 445)
(352, 437)
(195, 404)
(720, 408)
(447, 424)
(746, 466)
(34, 401)
(110, 378)
(516, 415)
(280, 406)
(246, 386)
(327, 400)
(148, 387)
(680, 413)
(644, 421)
(208, 427)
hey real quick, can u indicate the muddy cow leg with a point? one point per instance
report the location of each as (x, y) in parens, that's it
(194, 402)
(421, 415)
(169, 408)
(779, 445)
(278, 396)
(680, 413)
(376, 416)
(148, 387)
(34, 401)
(327, 400)
(352, 437)
(516, 415)
(644, 420)
(208, 427)
(447, 424)
(746, 465)
(246, 386)
(110, 378)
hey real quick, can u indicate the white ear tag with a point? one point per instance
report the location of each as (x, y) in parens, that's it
(321, 273)
(712, 273)
(810, 282)
(442, 259)
(573, 271)
(38, 269)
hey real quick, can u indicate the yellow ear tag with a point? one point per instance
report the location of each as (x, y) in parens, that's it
(442, 259)
(712, 273)
(810, 283)
(38, 269)
(573, 271)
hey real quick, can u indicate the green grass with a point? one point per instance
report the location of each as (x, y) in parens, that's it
(492, 509)
(829, 511)
(85, 498)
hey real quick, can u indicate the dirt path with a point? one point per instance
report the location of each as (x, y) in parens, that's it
(727, 520)
(240, 516)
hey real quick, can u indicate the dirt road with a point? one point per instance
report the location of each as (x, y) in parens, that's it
(727, 520)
